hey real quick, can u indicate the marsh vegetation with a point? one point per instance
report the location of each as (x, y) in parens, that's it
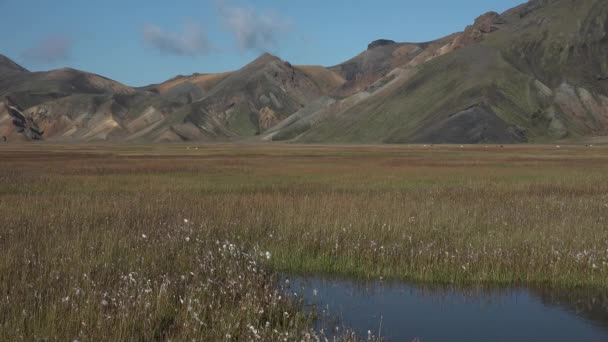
(183, 241)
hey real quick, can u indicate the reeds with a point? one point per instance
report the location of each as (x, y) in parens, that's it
(164, 242)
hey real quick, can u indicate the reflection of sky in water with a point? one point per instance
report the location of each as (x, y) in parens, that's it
(444, 314)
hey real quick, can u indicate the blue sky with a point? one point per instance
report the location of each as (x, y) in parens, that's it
(142, 42)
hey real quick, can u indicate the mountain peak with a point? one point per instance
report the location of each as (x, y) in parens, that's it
(266, 58)
(7, 65)
(380, 42)
(262, 61)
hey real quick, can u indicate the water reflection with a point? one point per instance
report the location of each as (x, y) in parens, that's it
(590, 304)
(405, 312)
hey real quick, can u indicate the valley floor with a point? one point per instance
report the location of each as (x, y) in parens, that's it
(182, 241)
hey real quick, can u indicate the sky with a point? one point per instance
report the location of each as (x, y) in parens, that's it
(143, 42)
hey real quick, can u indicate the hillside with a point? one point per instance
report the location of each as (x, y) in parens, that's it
(535, 73)
(72, 105)
(9, 68)
(255, 98)
(383, 56)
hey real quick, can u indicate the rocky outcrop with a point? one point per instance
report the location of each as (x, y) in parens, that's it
(484, 25)
(488, 22)
(526, 9)
(22, 124)
(380, 42)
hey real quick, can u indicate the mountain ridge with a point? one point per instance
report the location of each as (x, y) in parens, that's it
(8, 66)
(534, 73)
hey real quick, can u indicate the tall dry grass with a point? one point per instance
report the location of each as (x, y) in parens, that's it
(93, 243)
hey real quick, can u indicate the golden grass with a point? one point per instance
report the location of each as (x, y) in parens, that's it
(95, 223)
(327, 79)
(205, 81)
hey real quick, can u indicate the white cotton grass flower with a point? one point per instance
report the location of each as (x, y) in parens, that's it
(268, 255)
(254, 331)
(144, 236)
(186, 220)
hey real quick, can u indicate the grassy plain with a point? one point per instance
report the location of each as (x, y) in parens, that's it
(94, 242)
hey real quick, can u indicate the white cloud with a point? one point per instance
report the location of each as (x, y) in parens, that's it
(252, 29)
(191, 41)
(52, 49)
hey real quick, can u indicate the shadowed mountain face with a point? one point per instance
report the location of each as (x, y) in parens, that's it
(535, 73)
(9, 68)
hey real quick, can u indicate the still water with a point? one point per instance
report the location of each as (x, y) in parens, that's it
(405, 312)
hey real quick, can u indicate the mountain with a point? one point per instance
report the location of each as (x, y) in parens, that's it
(187, 89)
(32, 88)
(535, 73)
(72, 105)
(383, 56)
(15, 124)
(532, 74)
(9, 68)
(256, 97)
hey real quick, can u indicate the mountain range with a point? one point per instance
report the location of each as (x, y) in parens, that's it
(535, 73)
